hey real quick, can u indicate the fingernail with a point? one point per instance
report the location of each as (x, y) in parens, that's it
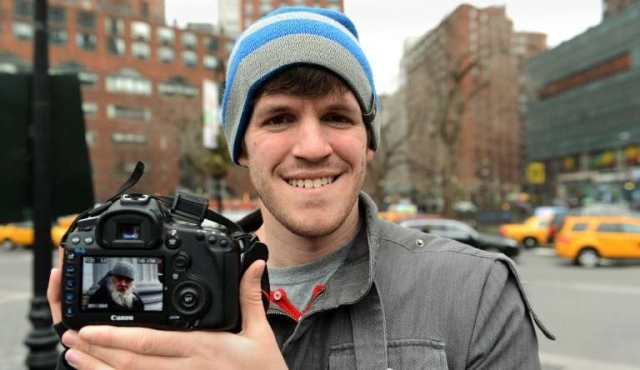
(70, 338)
(72, 357)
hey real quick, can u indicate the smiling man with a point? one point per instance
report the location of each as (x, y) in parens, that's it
(348, 290)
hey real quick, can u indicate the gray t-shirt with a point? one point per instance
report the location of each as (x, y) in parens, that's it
(299, 281)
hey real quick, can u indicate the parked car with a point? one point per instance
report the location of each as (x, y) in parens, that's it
(21, 234)
(588, 239)
(464, 233)
(534, 231)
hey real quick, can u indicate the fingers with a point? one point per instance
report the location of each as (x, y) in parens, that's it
(53, 295)
(253, 315)
(81, 361)
(140, 340)
(102, 358)
(103, 347)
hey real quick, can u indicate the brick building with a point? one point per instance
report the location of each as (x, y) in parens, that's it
(252, 10)
(461, 81)
(141, 80)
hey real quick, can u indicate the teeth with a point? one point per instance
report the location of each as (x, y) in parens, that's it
(309, 183)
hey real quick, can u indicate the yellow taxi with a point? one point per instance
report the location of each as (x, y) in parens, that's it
(534, 231)
(21, 233)
(588, 239)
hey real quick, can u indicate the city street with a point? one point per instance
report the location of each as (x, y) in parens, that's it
(594, 313)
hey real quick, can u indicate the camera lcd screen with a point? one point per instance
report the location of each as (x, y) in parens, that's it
(122, 284)
(128, 231)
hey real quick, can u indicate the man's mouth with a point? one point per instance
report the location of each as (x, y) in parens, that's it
(311, 183)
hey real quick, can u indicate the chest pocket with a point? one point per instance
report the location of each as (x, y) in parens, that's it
(406, 354)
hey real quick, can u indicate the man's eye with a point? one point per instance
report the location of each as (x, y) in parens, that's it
(337, 118)
(278, 120)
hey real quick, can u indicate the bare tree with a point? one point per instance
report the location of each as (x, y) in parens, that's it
(446, 75)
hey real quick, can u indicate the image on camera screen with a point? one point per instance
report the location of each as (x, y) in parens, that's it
(122, 284)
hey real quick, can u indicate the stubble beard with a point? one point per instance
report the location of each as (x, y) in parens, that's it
(299, 227)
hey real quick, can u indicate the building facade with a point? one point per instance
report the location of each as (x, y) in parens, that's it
(252, 10)
(462, 87)
(141, 81)
(613, 7)
(584, 114)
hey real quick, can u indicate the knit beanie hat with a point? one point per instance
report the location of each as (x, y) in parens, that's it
(124, 268)
(292, 36)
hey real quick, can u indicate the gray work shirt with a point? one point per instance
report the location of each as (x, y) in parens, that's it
(408, 300)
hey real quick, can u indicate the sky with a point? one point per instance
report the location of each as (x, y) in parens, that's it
(384, 25)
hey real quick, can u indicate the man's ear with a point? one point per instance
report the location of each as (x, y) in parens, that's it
(243, 159)
(369, 154)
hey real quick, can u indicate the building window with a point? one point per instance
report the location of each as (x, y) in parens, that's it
(57, 14)
(22, 31)
(334, 4)
(189, 40)
(8, 68)
(23, 8)
(130, 82)
(114, 26)
(210, 62)
(190, 58)
(86, 78)
(166, 54)
(128, 113)
(229, 46)
(86, 41)
(211, 43)
(140, 50)
(166, 36)
(86, 20)
(265, 6)
(58, 37)
(299, 2)
(91, 138)
(90, 109)
(116, 46)
(122, 138)
(177, 86)
(140, 31)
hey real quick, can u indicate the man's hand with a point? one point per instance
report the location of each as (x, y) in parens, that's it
(108, 347)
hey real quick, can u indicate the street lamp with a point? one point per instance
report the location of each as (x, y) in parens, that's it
(41, 340)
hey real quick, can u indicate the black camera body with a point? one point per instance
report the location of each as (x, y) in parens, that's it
(135, 264)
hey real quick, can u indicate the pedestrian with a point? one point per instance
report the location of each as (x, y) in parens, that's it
(348, 290)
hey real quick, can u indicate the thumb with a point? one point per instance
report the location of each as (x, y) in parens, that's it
(253, 315)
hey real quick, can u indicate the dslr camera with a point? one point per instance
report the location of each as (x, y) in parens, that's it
(135, 261)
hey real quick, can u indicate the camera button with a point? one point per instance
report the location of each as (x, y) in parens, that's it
(88, 240)
(75, 239)
(70, 269)
(71, 256)
(189, 299)
(200, 235)
(224, 243)
(69, 311)
(70, 284)
(172, 242)
(69, 297)
(212, 239)
(175, 276)
(181, 261)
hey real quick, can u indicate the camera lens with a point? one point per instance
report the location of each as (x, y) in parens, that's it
(129, 231)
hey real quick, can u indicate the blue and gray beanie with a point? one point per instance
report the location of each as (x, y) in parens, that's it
(295, 36)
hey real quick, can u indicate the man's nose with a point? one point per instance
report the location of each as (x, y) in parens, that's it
(312, 140)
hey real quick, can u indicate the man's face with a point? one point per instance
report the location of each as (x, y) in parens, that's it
(122, 283)
(307, 159)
